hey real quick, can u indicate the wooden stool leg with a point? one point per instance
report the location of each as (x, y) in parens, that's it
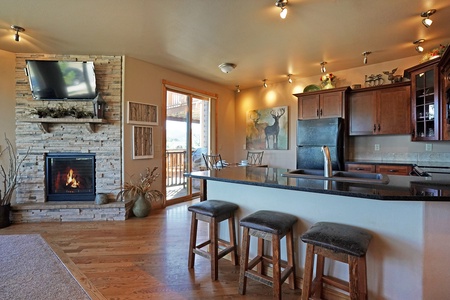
(308, 273)
(232, 230)
(358, 281)
(244, 260)
(290, 258)
(214, 248)
(318, 283)
(260, 266)
(276, 266)
(192, 241)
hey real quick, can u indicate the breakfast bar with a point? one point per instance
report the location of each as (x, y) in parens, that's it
(407, 217)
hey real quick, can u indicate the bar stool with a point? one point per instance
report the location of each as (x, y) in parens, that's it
(268, 226)
(213, 212)
(339, 242)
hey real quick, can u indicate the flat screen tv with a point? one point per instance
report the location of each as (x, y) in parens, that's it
(61, 80)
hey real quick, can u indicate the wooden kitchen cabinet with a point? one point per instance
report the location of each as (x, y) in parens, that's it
(425, 100)
(380, 110)
(444, 66)
(392, 169)
(322, 104)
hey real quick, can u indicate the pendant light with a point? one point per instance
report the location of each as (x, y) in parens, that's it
(17, 29)
(426, 14)
(418, 43)
(283, 5)
(322, 67)
(366, 53)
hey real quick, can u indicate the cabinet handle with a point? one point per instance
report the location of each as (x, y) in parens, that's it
(360, 169)
(321, 112)
(393, 171)
(317, 112)
(379, 127)
(374, 127)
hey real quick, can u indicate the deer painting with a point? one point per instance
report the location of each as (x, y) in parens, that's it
(274, 129)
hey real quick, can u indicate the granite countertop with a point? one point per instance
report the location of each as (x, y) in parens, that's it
(399, 188)
(422, 164)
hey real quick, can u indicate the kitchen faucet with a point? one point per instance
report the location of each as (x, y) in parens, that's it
(327, 162)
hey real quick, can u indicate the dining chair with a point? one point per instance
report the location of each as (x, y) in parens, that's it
(255, 157)
(211, 160)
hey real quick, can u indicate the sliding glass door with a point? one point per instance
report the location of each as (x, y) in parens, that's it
(187, 137)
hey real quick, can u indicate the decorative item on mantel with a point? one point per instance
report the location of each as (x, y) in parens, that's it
(328, 81)
(9, 178)
(141, 193)
(61, 112)
(435, 53)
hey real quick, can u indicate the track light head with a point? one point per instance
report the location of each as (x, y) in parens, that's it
(264, 84)
(17, 29)
(289, 78)
(366, 53)
(418, 43)
(238, 90)
(283, 5)
(426, 14)
(322, 67)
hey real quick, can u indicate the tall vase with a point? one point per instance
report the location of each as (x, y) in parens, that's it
(5, 211)
(141, 207)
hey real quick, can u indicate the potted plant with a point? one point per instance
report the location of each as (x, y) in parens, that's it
(142, 193)
(9, 173)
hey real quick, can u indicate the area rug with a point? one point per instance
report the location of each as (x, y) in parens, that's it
(30, 269)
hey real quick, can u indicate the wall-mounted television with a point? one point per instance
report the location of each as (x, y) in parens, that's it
(61, 80)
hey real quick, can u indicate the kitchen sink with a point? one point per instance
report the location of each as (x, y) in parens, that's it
(339, 176)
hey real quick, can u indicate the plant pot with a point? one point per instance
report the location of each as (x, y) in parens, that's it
(5, 212)
(141, 207)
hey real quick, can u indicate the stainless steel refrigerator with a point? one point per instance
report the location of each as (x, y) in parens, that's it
(312, 135)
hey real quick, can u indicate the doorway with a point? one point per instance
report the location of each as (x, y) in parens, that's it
(187, 136)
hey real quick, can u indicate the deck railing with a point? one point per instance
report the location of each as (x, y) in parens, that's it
(175, 167)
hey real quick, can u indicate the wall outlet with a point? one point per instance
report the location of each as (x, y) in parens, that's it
(377, 147)
(428, 147)
(244, 146)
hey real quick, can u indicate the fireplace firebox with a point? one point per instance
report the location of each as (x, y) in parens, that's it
(70, 176)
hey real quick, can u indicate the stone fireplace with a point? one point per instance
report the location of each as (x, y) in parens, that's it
(40, 198)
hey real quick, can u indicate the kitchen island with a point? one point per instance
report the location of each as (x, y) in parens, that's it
(408, 218)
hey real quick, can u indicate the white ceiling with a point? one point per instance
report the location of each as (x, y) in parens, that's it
(195, 36)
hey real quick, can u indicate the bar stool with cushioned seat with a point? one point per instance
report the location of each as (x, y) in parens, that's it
(213, 212)
(339, 242)
(268, 226)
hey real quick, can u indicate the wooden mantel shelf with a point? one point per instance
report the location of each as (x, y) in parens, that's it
(44, 123)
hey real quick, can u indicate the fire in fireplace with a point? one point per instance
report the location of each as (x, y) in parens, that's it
(70, 176)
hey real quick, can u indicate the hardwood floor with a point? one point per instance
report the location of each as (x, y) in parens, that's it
(143, 258)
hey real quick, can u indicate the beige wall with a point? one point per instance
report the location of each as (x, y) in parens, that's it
(143, 83)
(7, 98)
(279, 94)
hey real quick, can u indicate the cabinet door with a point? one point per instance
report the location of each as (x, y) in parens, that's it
(308, 107)
(394, 111)
(362, 113)
(331, 105)
(393, 169)
(425, 102)
(361, 168)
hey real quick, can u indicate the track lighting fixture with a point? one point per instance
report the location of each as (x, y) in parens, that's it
(289, 78)
(283, 5)
(17, 29)
(264, 84)
(238, 90)
(322, 67)
(426, 14)
(227, 67)
(418, 43)
(366, 53)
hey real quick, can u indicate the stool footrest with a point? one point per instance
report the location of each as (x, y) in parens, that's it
(336, 282)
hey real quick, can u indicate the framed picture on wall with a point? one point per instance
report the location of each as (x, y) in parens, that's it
(267, 129)
(142, 113)
(142, 142)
